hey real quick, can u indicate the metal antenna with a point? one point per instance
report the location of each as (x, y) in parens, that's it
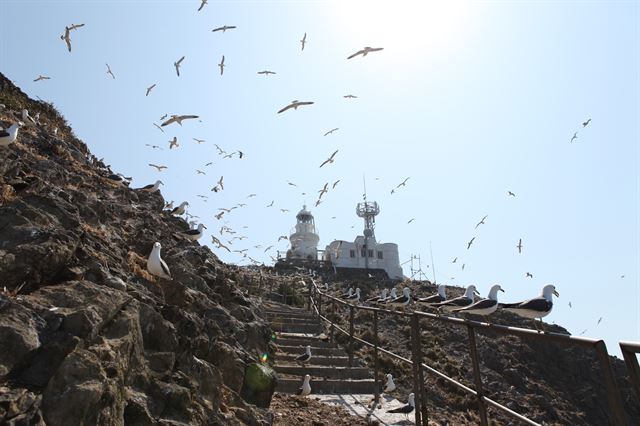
(432, 265)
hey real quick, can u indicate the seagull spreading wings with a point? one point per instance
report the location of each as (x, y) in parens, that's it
(295, 104)
(481, 222)
(199, 140)
(470, 242)
(303, 41)
(350, 96)
(403, 183)
(200, 172)
(109, 71)
(511, 194)
(574, 137)
(221, 65)
(270, 204)
(335, 184)
(365, 51)
(330, 159)
(203, 2)
(586, 123)
(149, 89)
(220, 182)
(173, 142)
(160, 168)
(42, 77)
(177, 65)
(323, 190)
(528, 275)
(266, 72)
(282, 237)
(331, 131)
(223, 28)
(75, 26)
(66, 37)
(178, 119)
(217, 242)
(519, 246)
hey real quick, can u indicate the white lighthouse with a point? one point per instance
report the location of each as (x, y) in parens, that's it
(304, 238)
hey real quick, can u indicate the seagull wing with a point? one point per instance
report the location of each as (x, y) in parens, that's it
(286, 108)
(359, 52)
(325, 162)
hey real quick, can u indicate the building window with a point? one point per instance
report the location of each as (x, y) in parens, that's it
(363, 253)
(379, 255)
(352, 253)
(370, 253)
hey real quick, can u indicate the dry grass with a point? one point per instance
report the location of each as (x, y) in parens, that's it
(93, 230)
(7, 194)
(134, 260)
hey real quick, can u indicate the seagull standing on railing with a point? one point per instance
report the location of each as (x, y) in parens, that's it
(347, 294)
(440, 296)
(305, 357)
(538, 307)
(402, 301)
(376, 299)
(458, 302)
(484, 306)
(355, 297)
(392, 295)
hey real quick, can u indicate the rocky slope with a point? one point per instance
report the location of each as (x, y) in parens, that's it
(87, 336)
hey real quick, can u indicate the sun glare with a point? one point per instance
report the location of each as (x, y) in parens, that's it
(408, 29)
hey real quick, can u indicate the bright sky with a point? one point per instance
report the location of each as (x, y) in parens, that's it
(468, 100)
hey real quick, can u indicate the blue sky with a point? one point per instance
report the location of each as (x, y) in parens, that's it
(468, 99)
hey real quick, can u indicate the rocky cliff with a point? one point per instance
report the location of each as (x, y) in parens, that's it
(87, 336)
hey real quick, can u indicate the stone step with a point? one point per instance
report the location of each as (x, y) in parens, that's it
(309, 320)
(290, 385)
(339, 361)
(329, 372)
(298, 349)
(295, 328)
(314, 342)
(292, 314)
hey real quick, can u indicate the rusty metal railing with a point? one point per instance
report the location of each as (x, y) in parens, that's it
(629, 351)
(619, 417)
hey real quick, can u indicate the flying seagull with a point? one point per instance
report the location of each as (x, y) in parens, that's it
(481, 222)
(220, 182)
(538, 307)
(470, 242)
(365, 51)
(331, 131)
(177, 65)
(66, 37)
(223, 28)
(150, 88)
(511, 194)
(159, 128)
(178, 119)
(403, 183)
(519, 246)
(305, 389)
(350, 96)
(159, 168)
(266, 72)
(586, 123)
(575, 136)
(42, 77)
(295, 104)
(304, 40)
(330, 159)
(335, 184)
(173, 142)
(411, 220)
(483, 306)
(109, 71)
(528, 275)
(203, 2)
(221, 65)
(75, 26)
(155, 265)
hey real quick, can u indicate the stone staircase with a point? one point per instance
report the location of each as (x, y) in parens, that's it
(329, 366)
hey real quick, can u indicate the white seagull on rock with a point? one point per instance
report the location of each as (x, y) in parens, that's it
(9, 135)
(155, 265)
(153, 187)
(194, 234)
(180, 209)
(27, 119)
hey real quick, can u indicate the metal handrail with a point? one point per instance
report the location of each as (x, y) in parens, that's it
(629, 351)
(613, 393)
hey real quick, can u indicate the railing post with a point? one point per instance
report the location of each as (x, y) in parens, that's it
(482, 406)
(633, 368)
(613, 393)
(417, 350)
(351, 335)
(417, 382)
(319, 305)
(376, 394)
(309, 296)
(332, 329)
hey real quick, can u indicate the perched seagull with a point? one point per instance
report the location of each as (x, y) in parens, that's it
(458, 302)
(153, 187)
(348, 294)
(27, 119)
(574, 137)
(365, 51)
(390, 386)
(355, 297)
(586, 123)
(305, 357)
(155, 265)
(483, 306)
(305, 389)
(9, 135)
(376, 299)
(295, 104)
(203, 2)
(221, 65)
(440, 296)
(331, 131)
(266, 72)
(470, 242)
(529, 275)
(223, 28)
(519, 246)
(42, 77)
(177, 65)
(159, 168)
(109, 71)
(178, 119)
(66, 37)
(330, 159)
(511, 194)
(119, 179)
(392, 295)
(150, 88)
(406, 409)
(173, 142)
(481, 222)
(538, 307)
(303, 41)
(402, 300)
(194, 234)
(350, 96)
(180, 209)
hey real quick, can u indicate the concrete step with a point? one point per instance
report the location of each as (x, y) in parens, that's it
(314, 342)
(298, 349)
(309, 320)
(295, 328)
(290, 385)
(328, 372)
(284, 314)
(339, 361)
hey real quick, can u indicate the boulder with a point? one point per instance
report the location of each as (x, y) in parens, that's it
(259, 384)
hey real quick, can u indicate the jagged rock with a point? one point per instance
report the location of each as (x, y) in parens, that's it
(259, 384)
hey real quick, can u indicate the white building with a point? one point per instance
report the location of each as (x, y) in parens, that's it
(344, 254)
(304, 237)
